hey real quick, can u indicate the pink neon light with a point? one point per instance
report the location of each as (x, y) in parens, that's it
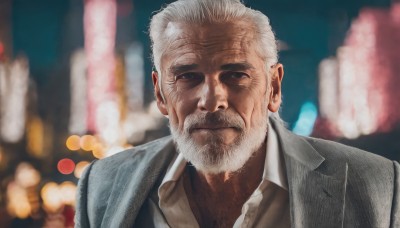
(368, 65)
(100, 30)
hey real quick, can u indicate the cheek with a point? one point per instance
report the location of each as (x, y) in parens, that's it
(252, 108)
(180, 105)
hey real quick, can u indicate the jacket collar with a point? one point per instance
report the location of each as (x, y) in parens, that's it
(135, 179)
(317, 186)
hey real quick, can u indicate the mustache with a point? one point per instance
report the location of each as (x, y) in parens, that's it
(216, 119)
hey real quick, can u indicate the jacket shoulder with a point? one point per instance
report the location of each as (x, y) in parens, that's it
(372, 185)
(142, 153)
(353, 156)
(124, 178)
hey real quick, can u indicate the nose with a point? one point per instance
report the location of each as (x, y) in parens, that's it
(213, 96)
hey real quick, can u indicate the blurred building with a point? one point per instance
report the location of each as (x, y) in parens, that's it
(358, 88)
(358, 92)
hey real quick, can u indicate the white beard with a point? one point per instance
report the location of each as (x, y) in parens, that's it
(215, 157)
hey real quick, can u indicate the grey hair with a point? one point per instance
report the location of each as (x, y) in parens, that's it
(211, 11)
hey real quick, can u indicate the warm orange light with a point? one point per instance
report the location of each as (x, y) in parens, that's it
(98, 151)
(67, 192)
(87, 142)
(128, 146)
(26, 175)
(17, 201)
(66, 166)
(51, 195)
(35, 137)
(23, 210)
(73, 142)
(80, 168)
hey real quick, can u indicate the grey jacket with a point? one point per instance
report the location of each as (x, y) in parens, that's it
(330, 185)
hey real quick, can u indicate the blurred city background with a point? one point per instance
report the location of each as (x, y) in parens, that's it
(75, 86)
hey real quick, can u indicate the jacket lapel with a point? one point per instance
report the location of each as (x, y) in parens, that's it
(128, 194)
(317, 187)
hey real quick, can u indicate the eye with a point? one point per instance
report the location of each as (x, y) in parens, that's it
(236, 76)
(191, 76)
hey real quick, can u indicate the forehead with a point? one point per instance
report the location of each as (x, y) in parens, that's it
(208, 43)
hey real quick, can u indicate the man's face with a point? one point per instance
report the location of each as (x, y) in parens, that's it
(217, 91)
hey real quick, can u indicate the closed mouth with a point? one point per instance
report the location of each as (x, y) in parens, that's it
(212, 128)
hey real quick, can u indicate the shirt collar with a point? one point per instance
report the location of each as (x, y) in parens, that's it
(274, 165)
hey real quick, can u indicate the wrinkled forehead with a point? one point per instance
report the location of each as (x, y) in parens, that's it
(195, 41)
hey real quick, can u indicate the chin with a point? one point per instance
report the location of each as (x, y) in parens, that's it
(214, 155)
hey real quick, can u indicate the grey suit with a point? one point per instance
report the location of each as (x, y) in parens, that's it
(330, 185)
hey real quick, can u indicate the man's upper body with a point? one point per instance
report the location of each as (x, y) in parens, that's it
(330, 185)
(217, 80)
(268, 205)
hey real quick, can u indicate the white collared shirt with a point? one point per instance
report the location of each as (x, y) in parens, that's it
(268, 206)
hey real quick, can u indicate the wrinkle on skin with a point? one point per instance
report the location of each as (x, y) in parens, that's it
(204, 51)
(190, 48)
(201, 87)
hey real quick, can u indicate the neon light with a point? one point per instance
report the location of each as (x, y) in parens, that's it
(78, 114)
(100, 29)
(328, 89)
(13, 90)
(305, 123)
(367, 78)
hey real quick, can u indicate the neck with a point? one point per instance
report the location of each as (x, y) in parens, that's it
(226, 192)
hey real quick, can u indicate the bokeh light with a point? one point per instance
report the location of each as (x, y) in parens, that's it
(352, 99)
(51, 197)
(80, 168)
(18, 203)
(100, 30)
(98, 151)
(73, 142)
(1, 154)
(78, 112)
(87, 142)
(1, 48)
(66, 166)
(67, 191)
(26, 175)
(35, 136)
(14, 80)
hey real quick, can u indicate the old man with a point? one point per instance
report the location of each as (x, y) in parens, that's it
(230, 162)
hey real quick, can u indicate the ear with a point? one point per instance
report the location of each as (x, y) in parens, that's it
(275, 98)
(157, 93)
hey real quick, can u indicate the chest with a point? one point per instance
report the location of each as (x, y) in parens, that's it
(215, 211)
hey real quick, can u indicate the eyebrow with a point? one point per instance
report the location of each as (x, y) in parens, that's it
(181, 68)
(178, 69)
(237, 66)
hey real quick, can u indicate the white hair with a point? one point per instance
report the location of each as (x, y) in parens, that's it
(211, 11)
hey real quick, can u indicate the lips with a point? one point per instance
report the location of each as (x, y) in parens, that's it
(213, 122)
(212, 128)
